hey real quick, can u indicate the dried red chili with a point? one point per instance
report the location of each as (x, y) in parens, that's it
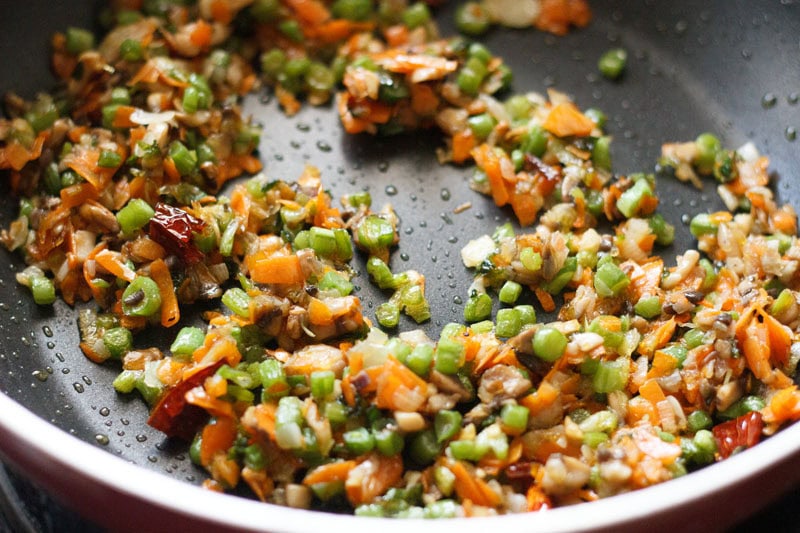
(744, 431)
(176, 418)
(172, 228)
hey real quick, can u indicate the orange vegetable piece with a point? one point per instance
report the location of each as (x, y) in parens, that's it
(469, 487)
(275, 268)
(489, 161)
(218, 436)
(373, 477)
(327, 473)
(566, 120)
(170, 311)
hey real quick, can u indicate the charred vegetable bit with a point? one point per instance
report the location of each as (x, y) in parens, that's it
(636, 370)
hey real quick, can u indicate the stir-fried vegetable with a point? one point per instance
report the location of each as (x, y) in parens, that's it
(642, 370)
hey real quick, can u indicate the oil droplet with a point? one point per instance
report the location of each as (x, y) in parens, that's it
(793, 98)
(479, 215)
(152, 458)
(65, 371)
(423, 224)
(390, 190)
(747, 54)
(404, 256)
(25, 341)
(446, 218)
(78, 387)
(105, 411)
(124, 421)
(51, 344)
(383, 166)
(324, 146)
(60, 356)
(409, 230)
(87, 380)
(294, 144)
(685, 218)
(40, 375)
(120, 433)
(452, 239)
(790, 133)
(444, 194)
(141, 438)
(101, 439)
(458, 300)
(47, 331)
(303, 126)
(768, 100)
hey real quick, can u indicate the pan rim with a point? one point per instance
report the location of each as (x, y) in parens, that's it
(27, 437)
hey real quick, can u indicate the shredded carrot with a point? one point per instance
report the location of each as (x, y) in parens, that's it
(113, 262)
(545, 299)
(472, 488)
(170, 311)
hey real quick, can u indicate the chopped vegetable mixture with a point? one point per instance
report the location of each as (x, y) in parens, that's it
(649, 371)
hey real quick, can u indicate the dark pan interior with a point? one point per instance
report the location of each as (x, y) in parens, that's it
(693, 67)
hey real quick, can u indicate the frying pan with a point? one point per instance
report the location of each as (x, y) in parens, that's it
(725, 66)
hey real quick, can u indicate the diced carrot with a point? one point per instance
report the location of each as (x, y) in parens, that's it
(526, 206)
(275, 268)
(463, 143)
(122, 117)
(218, 435)
(555, 16)
(566, 120)
(170, 310)
(785, 221)
(221, 11)
(396, 35)
(784, 405)
(202, 33)
(327, 473)
(311, 12)
(651, 391)
(170, 371)
(639, 408)
(424, 102)
(319, 313)
(663, 365)
(537, 499)
(398, 387)
(540, 400)
(657, 338)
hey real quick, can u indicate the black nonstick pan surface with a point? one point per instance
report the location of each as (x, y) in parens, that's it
(729, 67)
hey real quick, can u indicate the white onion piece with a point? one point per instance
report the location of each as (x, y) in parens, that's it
(513, 13)
(145, 118)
